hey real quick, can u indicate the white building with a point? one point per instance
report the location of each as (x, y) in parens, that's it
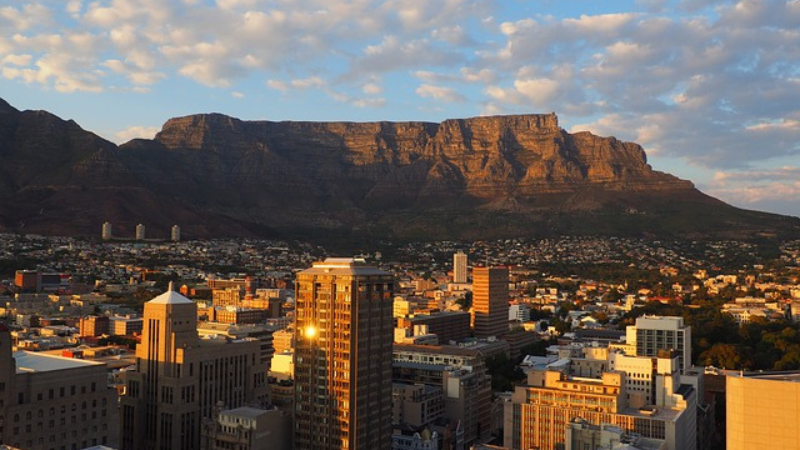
(106, 231)
(654, 333)
(175, 233)
(140, 232)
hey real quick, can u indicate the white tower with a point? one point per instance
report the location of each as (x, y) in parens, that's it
(106, 233)
(175, 235)
(140, 232)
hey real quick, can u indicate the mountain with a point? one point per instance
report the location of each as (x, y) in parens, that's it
(477, 178)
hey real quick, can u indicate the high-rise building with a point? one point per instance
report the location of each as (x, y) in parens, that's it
(490, 301)
(105, 233)
(140, 232)
(180, 379)
(654, 333)
(175, 233)
(343, 356)
(460, 267)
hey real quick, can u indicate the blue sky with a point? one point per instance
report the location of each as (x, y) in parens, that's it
(711, 89)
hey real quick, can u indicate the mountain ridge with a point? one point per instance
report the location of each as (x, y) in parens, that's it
(474, 178)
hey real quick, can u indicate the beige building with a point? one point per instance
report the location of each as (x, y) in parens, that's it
(460, 372)
(248, 428)
(490, 301)
(180, 379)
(53, 403)
(460, 268)
(763, 411)
(343, 356)
(540, 412)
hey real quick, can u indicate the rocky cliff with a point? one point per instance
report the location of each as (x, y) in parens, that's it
(471, 178)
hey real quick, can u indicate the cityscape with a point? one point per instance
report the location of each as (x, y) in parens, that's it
(570, 343)
(399, 225)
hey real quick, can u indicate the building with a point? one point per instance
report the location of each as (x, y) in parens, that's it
(762, 411)
(447, 325)
(140, 236)
(490, 301)
(53, 403)
(460, 372)
(343, 356)
(175, 233)
(105, 232)
(460, 267)
(125, 326)
(654, 333)
(541, 411)
(27, 280)
(179, 379)
(248, 428)
(94, 326)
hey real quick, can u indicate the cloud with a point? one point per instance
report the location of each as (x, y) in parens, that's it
(135, 132)
(444, 94)
(774, 189)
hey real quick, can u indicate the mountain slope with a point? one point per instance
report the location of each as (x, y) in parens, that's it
(475, 178)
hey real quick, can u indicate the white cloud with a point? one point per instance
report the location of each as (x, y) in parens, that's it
(134, 132)
(372, 89)
(444, 94)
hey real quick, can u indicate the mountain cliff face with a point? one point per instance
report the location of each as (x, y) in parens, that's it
(472, 178)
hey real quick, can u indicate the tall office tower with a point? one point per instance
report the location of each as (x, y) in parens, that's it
(140, 232)
(490, 301)
(106, 231)
(180, 379)
(175, 233)
(343, 356)
(654, 333)
(460, 267)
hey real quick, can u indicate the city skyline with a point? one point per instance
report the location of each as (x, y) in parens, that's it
(708, 88)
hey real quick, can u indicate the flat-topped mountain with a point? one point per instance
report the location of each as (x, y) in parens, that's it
(476, 178)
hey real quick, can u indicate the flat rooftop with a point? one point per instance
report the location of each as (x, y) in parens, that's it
(38, 362)
(792, 377)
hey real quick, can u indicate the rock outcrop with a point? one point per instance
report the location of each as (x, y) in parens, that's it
(474, 178)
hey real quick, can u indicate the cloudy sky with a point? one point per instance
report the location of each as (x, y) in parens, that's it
(711, 89)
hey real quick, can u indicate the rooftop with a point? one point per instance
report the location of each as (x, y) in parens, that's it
(343, 266)
(38, 362)
(245, 411)
(170, 298)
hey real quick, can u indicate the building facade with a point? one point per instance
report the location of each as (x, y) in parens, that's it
(343, 356)
(53, 403)
(762, 411)
(180, 379)
(654, 333)
(490, 301)
(460, 267)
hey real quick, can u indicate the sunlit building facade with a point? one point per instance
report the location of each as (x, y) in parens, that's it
(343, 356)
(490, 301)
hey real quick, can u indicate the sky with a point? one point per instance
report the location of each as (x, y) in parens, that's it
(710, 89)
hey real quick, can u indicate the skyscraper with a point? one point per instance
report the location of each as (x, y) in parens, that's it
(175, 233)
(180, 379)
(490, 301)
(460, 267)
(343, 356)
